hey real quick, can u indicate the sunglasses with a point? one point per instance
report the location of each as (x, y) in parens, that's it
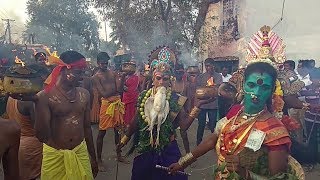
(163, 78)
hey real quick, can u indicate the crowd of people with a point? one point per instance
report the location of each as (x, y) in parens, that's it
(263, 118)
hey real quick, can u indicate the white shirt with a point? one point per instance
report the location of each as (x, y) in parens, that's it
(226, 78)
(305, 79)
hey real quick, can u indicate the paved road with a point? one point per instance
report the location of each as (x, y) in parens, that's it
(201, 170)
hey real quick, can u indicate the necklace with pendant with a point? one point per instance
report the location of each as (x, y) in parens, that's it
(247, 115)
(247, 119)
(71, 100)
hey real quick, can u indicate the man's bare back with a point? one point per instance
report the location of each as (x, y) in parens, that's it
(67, 116)
(9, 148)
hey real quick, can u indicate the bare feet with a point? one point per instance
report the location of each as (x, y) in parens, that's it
(123, 160)
(101, 166)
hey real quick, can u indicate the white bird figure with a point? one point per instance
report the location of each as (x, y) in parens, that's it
(156, 112)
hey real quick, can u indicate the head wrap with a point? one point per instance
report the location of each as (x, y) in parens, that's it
(52, 79)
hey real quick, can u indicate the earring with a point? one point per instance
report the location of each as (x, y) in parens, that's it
(69, 77)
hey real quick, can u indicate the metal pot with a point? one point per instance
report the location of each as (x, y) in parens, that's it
(19, 85)
(206, 92)
(128, 67)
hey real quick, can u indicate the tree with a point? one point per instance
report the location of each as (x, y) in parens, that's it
(63, 25)
(144, 24)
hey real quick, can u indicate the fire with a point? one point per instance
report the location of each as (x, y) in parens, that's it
(48, 50)
(210, 82)
(146, 67)
(19, 61)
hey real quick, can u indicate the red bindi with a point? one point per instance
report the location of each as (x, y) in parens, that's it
(260, 82)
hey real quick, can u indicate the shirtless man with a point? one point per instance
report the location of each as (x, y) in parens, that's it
(109, 87)
(179, 87)
(63, 123)
(30, 149)
(9, 148)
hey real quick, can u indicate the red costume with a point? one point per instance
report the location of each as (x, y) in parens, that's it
(130, 97)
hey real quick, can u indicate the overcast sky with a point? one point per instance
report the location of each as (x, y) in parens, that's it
(300, 27)
(16, 9)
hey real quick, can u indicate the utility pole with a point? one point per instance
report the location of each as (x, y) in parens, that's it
(8, 29)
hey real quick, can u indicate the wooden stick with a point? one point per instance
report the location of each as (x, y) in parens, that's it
(167, 169)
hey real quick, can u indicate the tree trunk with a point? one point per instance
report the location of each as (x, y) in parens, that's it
(203, 9)
(164, 12)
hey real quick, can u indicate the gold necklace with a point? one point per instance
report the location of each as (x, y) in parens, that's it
(235, 126)
(246, 115)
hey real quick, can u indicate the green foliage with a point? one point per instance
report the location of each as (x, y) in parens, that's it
(145, 24)
(63, 25)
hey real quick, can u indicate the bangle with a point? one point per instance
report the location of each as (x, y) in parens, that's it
(194, 112)
(185, 159)
(124, 139)
(306, 106)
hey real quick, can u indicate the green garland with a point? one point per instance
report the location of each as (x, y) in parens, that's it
(166, 129)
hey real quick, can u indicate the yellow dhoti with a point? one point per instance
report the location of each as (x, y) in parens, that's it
(66, 164)
(111, 113)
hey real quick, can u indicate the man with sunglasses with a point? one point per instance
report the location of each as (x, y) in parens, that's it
(179, 87)
(160, 112)
(207, 79)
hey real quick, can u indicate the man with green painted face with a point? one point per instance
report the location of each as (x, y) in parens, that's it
(250, 142)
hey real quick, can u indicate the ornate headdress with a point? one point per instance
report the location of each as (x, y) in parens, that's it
(162, 55)
(162, 59)
(266, 46)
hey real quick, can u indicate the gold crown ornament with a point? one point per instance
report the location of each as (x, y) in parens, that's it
(266, 46)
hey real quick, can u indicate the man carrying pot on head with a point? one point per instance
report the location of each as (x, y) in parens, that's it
(131, 91)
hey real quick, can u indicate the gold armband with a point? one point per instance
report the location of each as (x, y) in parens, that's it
(124, 139)
(194, 112)
(185, 159)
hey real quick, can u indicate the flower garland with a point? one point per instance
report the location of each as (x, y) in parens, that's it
(278, 91)
(146, 96)
(277, 99)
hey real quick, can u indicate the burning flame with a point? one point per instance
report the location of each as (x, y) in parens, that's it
(146, 67)
(19, 61)
(53, 56)
(48, 50)
(210, 82)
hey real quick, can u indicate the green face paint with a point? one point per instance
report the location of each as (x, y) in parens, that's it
(258, 89)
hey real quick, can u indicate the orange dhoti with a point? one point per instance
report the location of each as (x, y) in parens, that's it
(30, 150)
(111, 112)
(30, 157)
